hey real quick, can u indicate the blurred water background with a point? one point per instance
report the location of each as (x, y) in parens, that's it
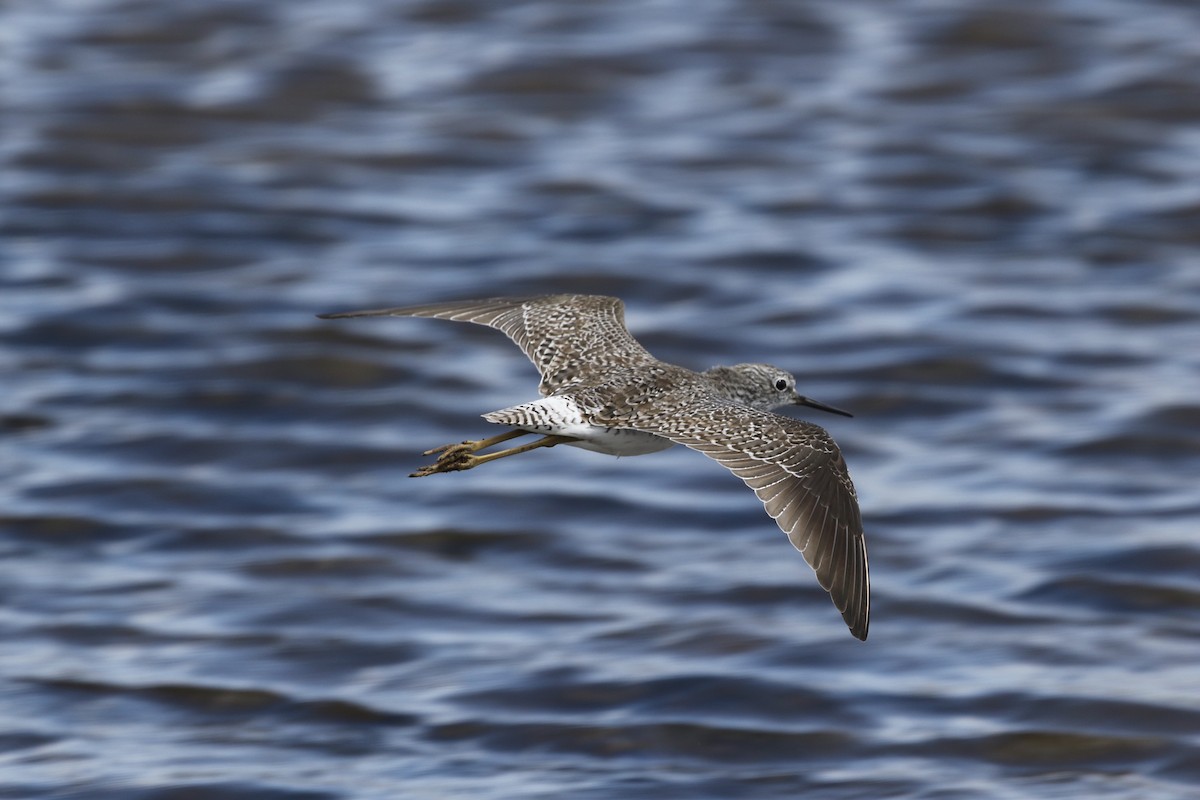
(975, 224)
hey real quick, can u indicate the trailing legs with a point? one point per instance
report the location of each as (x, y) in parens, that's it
(457, 457)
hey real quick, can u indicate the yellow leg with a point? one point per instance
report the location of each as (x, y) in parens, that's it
(475, 445)
(455, 458)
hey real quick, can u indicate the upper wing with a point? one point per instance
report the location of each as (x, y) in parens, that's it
(568, 337)
(799, 474)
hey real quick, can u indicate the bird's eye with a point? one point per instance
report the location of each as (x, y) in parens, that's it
(780, 385)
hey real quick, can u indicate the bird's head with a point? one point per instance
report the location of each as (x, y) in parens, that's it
(762, 386)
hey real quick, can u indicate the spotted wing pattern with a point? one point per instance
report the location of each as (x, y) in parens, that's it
(568, 337)
(798, 473)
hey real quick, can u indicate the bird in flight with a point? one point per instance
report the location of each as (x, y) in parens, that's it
(602, 391)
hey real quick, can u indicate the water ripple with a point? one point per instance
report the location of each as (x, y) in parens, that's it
(973, 224)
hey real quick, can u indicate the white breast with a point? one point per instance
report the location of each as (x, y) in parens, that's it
(560, 416)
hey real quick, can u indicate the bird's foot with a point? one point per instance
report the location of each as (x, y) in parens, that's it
(452, 458)
(457, 457)
(451, 450)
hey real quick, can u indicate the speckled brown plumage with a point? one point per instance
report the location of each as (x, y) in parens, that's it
(594, 372)
(570, 338)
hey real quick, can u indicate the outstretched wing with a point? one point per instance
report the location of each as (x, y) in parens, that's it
(568, 337)
(799, 474)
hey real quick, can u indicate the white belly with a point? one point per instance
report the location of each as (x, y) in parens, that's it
(616, 442)
(560, 416)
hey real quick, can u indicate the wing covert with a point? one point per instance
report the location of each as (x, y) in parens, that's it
(798, 473)
(568, 337)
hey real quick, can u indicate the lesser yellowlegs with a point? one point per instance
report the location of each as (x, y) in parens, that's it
(602, 391)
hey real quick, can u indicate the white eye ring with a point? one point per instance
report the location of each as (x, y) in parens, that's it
(781, 385)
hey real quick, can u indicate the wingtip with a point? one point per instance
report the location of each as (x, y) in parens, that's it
(346, 314)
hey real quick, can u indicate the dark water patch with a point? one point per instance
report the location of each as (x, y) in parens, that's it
(1161, 97)
(341, 461)
(152, 495)
(578, 210)
(140, 25)
(186, 699)
(754, 783)
(235, 539)
(169, 258)
(202, 704)
(317, 370)
(457, 151)
(1183, 767)
(90, 330)
(441, 12)
(16, 424)
(206, 791)
(545, 696)
(1090, 361)
(752, 595)
(1115, 596)
(144, 205)
(731, 745)
(124, 134)
(712, 641)
(1037, 514)
(1015, 311)
(387, 611)
(958, 515)
(15, 741)
(102, 634)
(240, 228)
(134, 201)
(1137, 315)
(958, 371)
(680, 697)
(1104, 715)
(326, 658)
(462, 545)
(343, 712)
(207, 407)
(793, 264)
(987, 207)
(913, 402)
(571, 80)
(1138, 446)
(1041, 749)
(322, 568)
(1179, 562)
(66, 161)
(58, 531)
(306, 90)
(159, 449)
(1179, 416)
(951, 613)
(529, 547)
(127, 587)
(358, 342)
(973, 31)
(950, 231)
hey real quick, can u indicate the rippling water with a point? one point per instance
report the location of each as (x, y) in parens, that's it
(975, 224)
